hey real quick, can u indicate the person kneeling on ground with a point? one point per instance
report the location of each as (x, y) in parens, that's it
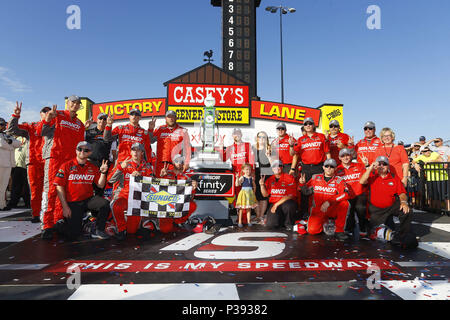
(74, 186)
(178, 172)
(387, 198)
(120, 178)
(281, 190)
(330, 196)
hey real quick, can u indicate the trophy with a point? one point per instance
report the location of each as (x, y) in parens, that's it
(209, 131)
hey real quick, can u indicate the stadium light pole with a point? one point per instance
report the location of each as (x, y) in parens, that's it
(283, 10)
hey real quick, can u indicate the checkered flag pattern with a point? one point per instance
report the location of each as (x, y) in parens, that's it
(159, 198)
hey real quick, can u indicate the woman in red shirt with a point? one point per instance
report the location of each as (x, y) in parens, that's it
(398, 158)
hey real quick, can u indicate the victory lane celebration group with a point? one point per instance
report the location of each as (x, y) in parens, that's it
(316, 183)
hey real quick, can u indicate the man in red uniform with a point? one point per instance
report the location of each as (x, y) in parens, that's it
(177, 173)
(120, 178)
(239, 152)
(329, 199)
(311, 149)
(61, 131)
(366, 147)
(337, 140)
(281, 190)
(387, 198)
(74, 185)
(281, 146)
(35, 163)
(127, 135)
(172, 139)
(351, 172)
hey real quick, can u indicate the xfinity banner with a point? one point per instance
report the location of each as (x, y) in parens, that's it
(214, 184)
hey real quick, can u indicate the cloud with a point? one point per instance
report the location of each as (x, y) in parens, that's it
(7, 78)
(27, 115)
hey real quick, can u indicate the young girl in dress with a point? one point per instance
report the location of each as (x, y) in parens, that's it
(246, 199)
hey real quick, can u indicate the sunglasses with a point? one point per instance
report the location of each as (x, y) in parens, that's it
(281, 129)
(308, 124)
(328, 166)
(384, 164)
(334, 126)
(83, 150)
(103, 118)
(367, 128)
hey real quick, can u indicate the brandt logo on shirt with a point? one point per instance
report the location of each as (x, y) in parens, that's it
(278, 191)
(324, 189)
(127, 136)
(81, 177)
(311, 145)
(70, 124)
(353, 176)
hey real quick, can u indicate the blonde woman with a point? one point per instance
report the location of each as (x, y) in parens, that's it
(398, 158)
(263, 154)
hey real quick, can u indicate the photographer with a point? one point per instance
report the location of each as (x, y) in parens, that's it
(7, 146)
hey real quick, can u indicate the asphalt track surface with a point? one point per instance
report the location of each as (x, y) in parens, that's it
(228, 266)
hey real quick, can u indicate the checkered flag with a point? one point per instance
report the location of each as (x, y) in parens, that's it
(159, 198)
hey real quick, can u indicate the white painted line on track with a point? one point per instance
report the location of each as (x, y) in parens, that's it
(419, 289)
(183, 291)
(440, 248)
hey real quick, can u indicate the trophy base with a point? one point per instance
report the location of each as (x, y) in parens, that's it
(209, 160)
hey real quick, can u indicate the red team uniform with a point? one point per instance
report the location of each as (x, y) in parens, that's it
(281, 147)
(171, 141)
(334, 149)
(335, 192)
(277, 190)
(367, 148)
(121, 183)
(61, 136)
(166, 224)
(239, 154)
(312, 150)
(128, 135)
(351, 176)
(35, 163)
(77, 180)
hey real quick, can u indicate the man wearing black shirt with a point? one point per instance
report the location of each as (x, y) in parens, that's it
(100, 148)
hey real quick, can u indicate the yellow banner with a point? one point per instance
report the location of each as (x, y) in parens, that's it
(225, 115)
(329, 113)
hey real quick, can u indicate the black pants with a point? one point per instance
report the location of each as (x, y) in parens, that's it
(309, 170)
(100, 209)
(285, 215)
(385, 216)
(358, 205)
(19, 187)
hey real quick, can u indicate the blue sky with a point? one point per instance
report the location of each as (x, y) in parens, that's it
(398, 76)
